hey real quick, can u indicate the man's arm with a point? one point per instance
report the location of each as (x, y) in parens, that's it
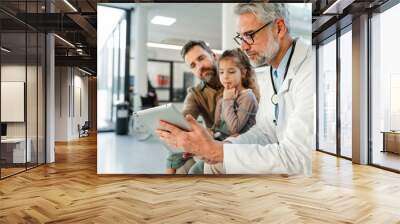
(293, 153)
(190, 105)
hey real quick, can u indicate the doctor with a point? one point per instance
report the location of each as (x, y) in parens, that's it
(282, 140)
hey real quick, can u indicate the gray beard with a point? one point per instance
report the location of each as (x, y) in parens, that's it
(268, 55)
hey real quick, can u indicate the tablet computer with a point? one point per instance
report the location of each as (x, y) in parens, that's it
(168, 112)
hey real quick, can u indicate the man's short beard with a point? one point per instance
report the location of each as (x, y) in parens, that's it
(269, 54)
(211, 74)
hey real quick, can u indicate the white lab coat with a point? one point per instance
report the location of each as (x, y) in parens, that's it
(285, 148)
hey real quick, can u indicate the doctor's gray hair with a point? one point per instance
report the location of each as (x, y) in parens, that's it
(264, 11)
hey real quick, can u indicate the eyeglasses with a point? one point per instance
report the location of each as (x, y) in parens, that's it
(248, 38)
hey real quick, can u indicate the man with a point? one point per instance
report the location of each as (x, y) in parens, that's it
(201, 99)
(281, 142)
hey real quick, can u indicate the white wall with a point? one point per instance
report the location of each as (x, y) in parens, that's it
(61, 103)
(164, 54)
(12, 73)
(33, 126)
(71, 94)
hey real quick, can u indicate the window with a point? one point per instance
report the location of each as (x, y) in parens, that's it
(346, 94)
(111, 64)
(327, 96)
(385, 89)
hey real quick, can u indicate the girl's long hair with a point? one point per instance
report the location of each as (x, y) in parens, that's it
(242, 61)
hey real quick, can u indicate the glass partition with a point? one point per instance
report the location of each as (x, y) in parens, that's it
(183, 79)
(160, 78)
(22, 77)
(327, 96)
(346, 94)
(14, 153)
(385, 90)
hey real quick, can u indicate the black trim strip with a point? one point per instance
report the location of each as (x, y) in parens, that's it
(0, 92)
(333, 154)
(26, 89)
(317, 95)
(338, 74)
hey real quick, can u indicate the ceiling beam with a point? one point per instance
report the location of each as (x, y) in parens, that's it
(337, 7)
(84, 24)
(82, 61)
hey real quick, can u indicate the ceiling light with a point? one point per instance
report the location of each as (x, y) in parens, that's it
(164, 46)
(162, 20)
(84, 71)
(338, 6)
(173, 47)
(70, 5)
(64, 40)
(5, 50)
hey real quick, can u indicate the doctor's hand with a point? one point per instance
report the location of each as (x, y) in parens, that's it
(197, 141)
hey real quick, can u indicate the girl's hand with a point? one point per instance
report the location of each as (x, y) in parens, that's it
(229, 93)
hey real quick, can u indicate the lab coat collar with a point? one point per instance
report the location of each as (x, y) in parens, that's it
(300, 53)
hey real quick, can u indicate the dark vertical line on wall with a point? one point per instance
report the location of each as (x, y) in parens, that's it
(318, 5)
(127, 57)
(60, 91)
(69, 92)
(317, 96)
(80, 102)
(46, 42)
(73, 92)
(338, 77)
(37, 88)
(45, 90)
(26, 86)
(171, 83)
(0, 89)
(369, 83)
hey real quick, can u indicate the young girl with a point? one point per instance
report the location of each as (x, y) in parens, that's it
(236, 107)
(236, 110)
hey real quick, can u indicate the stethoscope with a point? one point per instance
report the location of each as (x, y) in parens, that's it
(274, 97)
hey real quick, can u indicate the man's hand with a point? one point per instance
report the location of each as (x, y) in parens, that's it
(197, 141)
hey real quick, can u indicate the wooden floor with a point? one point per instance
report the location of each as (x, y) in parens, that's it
(387, 159)
(70, 191)
(10, 171)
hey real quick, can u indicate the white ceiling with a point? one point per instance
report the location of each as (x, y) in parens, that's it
(201, 21)
(193, 21)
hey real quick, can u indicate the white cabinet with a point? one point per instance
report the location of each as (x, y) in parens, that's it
(17, 146)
